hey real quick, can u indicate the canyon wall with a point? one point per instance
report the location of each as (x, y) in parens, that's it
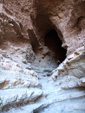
(34, 35)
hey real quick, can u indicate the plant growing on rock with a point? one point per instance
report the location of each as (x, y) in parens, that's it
(0, 103)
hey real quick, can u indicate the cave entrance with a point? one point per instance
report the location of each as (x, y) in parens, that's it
(53, 42)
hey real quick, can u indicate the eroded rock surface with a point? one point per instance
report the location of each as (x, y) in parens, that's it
(30, 81)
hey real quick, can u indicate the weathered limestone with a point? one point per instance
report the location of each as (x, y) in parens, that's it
(26, 63)
(73, 65)
(21, 97)
(66, 17)
(67, 93)
(16, 76)
(70, 77)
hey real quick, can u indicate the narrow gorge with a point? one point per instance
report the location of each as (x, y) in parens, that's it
(42, 56)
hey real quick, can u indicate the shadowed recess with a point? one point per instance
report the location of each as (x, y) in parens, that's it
(53, 42)
(33, 40)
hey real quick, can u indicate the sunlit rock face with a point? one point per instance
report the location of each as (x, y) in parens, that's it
(70, 78)
(34, 35)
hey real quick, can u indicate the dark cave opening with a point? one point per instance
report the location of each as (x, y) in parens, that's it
(53, 42)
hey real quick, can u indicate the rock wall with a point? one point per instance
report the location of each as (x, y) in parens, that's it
(70, 78)
(30, 81)
(66, 17)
